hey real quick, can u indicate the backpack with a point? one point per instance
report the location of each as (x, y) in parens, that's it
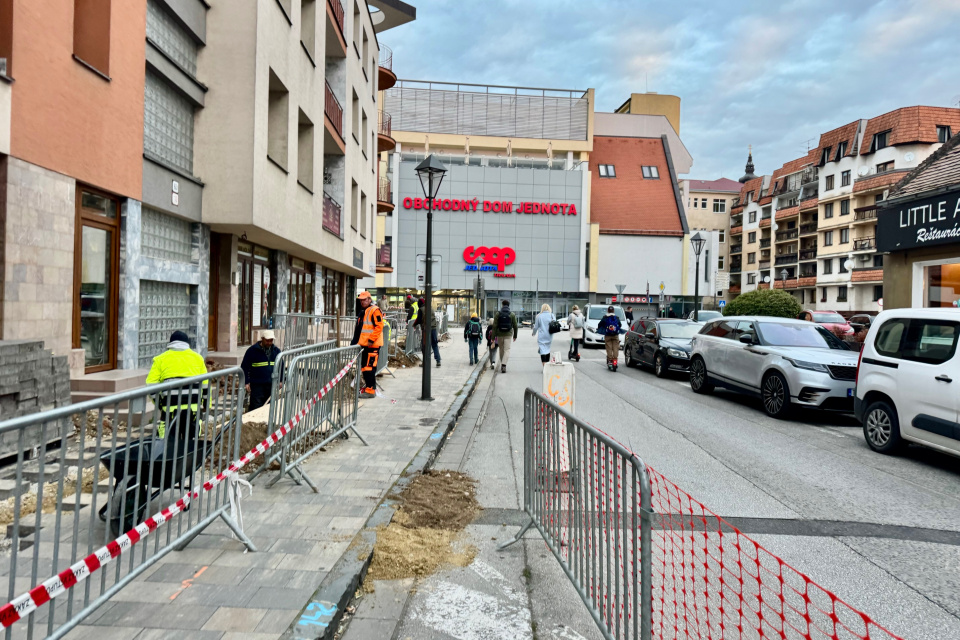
(577, 321)
(504, 323)
(613, 326)
(474, 330)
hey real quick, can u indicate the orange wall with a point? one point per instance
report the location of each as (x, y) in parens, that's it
(67, 118)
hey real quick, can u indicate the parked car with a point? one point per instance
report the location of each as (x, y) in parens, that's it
(563, 324)
(703, 315)
(861, 321)
(661, 343)
(829, 319)
(784, 362)
(593, 313)
(905, 391)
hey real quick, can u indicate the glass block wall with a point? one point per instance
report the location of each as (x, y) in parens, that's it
(164, 237)
(170, 37)
(165, 307)
(167, 124)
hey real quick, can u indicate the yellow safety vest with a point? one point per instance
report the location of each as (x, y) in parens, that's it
(176, 364)
(416, 309)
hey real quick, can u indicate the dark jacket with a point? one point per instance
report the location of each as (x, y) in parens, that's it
(611, 321)
(513, 320)
(491, 338)
(466, 329)
(258, 363)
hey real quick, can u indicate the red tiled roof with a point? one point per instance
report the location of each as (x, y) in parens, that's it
(940, 170)
(629, 202)
(878, 180)
(765, 200)
(794, 166)
(847, 133)
(722, 184)
(789, 211)
(910, 124)
(751, 185)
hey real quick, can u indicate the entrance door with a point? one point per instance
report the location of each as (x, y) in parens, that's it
(96, 260)
(300, 287)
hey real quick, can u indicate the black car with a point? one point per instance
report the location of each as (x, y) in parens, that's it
(862, 321)
(661, 343)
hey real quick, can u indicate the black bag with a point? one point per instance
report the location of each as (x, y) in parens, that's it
(504, 323)
(554, 326)
(474, 331)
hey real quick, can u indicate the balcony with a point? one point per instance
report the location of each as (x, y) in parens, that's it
(865, 214)
(734, 289)
(736, 268)
(765, 222)
(386, 78)
(736, 231)
(331, 215)
(332, 123)
(736, 220)
(867, 276)
(764, 243)
(736, 248)
(808, 254)
(384, 256)
(808, 228)
(787, 258)
(385, 141)
(384, 196)
(865, 244)
(336, 43)
(765, 264)
(790, 234)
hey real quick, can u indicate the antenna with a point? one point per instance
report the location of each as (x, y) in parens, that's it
(955, 101)
(808, 141)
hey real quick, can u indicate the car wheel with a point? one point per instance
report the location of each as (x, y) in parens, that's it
(698, 376)
(775, 395)
(659, 366)
(881, 428)
(630, 362)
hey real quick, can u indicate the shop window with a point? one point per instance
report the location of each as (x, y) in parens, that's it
(883, 167)
(91, 33)
(719, 205)
(845, 178)
(167, 124)
(300, 297)
(651, 173)
(277, 120)
(943, 133)
(880, 141)
(828, 210)
(308, 27)
(941, 284)
(608, 171)
(828, 183)
(842, 293)
(877, 292)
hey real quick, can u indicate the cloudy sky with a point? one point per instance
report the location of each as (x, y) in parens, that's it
(768, 73)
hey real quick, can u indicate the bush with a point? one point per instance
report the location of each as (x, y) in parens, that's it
(764, 302)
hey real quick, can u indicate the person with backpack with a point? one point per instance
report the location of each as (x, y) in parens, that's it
(609, 328)
(575, 324)
(506, 332)
(492, 344)
(472, 333)
(544, 327)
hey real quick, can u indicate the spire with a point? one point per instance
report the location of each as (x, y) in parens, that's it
(749, 174)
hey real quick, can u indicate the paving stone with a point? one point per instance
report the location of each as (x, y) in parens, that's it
(157, 616)
(235, 619)
(277, 620)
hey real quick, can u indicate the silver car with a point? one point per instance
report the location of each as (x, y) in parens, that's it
(785, 362)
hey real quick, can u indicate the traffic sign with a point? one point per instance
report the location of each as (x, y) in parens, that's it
(722, 303)
(661, 285)
(620, 288)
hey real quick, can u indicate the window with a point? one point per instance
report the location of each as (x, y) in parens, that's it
(608, 171)
(354, 205)
(706, 265)
(308, 27)
(827, 267)
(827, 238)
(877, 292)
(829, 183)
(879, 141)
(752, 217)
(825, 156)
(828, 210)
(364, 51)
(842, 266)
(363, 215)
(703, 203)
(918, 339)
(751, 278)
(91, 33)
(355, 109)
(878, 261)
(844, 236)
(651, 173)
(751, 258)
(943, 133)
(722, 235)
(749, 197)
(751, 237)
(277, 117)
(357, 28)
(885, 166)
(844, 207)
(845, 178)
(165, 32)
(365, 130)
(305, 151)
(842, 293)
(721, 262)
(167, 124)
(586, 262)
(823, 294)
(841, 151)
(877, 199)
(719, 205)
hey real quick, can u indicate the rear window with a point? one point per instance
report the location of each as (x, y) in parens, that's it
(918, 339)
(596, 313)
(829, 318)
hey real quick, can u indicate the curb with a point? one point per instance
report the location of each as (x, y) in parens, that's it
(320, 618)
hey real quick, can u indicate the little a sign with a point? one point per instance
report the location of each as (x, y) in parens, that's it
(919, 223)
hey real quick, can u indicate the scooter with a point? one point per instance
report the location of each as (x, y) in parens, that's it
(612, 365)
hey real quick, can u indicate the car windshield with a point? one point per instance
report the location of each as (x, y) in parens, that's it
(776, 334)
(707, 316)
(679, 330)
(596, 313)
(830, 318)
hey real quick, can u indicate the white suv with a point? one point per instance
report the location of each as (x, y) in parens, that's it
(593, 314)
(905, 389)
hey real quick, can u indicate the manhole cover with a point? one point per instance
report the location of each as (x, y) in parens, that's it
(428, 421)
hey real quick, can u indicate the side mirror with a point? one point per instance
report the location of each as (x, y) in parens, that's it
(747, 338)
(650, 335)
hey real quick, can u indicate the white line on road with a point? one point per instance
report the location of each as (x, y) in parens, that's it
(832, 432)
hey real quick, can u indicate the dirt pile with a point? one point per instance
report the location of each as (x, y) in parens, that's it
(28, 501)
(425, 532)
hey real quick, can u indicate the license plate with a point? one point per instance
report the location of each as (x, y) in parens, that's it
(850, 392)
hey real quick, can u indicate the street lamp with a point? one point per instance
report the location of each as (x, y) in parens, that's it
(430, 172)
(783, 276)
(697, 242)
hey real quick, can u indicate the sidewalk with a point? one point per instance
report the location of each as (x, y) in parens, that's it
(214, 590)
(518, 593)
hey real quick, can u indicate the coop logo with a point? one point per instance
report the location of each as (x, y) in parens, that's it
(492, 258)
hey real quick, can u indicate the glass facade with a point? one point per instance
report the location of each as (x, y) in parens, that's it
(941, 285)
(164, 237)
(165, 307)
(167, 124)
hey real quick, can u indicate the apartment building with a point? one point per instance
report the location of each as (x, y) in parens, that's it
(708, 204)
(816, 233)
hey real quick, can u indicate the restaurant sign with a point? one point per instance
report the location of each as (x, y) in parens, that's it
(919, 223)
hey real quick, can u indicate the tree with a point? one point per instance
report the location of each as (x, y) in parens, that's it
(764, 302)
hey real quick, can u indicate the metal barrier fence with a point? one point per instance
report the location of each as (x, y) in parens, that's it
(276, 409)
(333, 415)
(299, 329)
(648, 559)
(122, 459)
(413, 346)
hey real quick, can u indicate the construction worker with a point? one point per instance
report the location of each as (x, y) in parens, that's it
(412, 311)
(369, 335)
(257, 365)
(178, 361)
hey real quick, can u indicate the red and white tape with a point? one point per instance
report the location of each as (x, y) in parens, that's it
(51, 588)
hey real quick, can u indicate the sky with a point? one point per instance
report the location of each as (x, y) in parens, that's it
(772, 74)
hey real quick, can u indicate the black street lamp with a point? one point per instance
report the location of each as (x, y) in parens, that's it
(783, 276)
(430, 172)
(697, 242)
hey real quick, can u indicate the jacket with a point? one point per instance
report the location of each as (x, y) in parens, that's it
(258, 363)
(412, 311)
(369, 329)
(466, 329)
(176, 364)
(574, 332)
(513, 320)
(491, 338)
(609, 320)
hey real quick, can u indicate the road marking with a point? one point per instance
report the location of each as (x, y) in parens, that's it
(832, 432)
(186, 583)
(682, 383)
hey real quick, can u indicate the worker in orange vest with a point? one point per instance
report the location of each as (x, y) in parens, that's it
(369, 335)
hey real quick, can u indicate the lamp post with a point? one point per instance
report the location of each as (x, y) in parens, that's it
(697, 242)
(430, 172)
(783, 276)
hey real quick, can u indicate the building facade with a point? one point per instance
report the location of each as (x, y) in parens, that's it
(707, 204)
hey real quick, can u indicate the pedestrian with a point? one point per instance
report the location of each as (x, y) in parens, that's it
(257, 367)
(609, 328)
(541, 329)
(472, 333)
(434, 343)
(412, 308)
(805, 315)
(369, 335)
(629, 316)
(178, 361)
(505, 329)
(492, 343)
(575, 323)
(671, 313)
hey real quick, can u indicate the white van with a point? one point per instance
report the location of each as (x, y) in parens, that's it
(593, 313)
(908, 380)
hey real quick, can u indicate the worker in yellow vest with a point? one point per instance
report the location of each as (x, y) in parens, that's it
(369, 335)
(178, 361)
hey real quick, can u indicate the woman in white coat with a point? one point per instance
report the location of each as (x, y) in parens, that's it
(541, 329)
(575, 323)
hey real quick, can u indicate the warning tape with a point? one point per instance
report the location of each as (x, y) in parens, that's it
(25, 604)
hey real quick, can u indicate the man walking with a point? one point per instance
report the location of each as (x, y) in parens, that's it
(178, 361)
(472, 333)
(505, 329)
(629, 315)
(257, 367)
(434, 342)
(369, 335)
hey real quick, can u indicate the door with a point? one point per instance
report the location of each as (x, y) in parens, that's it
(717, 346)
(649, 345)
(632, 339)
(746, 361)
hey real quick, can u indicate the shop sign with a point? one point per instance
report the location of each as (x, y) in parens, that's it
(358, 258)
(919, 223)
(493, 206)
(493, 258)
(636, 299)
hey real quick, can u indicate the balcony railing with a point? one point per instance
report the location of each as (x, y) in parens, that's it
(765, 264)
(331, 215)
(790, 234)
(787, 258)
(764, 243)
(331, 106)
(765, 215)
(809, 227)
(385, 191)
(863, 244)
(735, 268)
(868, 213)
(384, 254)
(736, 248)
(736, 220)
(386, 57)
(808, 254)
(736, 230)
(337, 8)
(384, 124)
